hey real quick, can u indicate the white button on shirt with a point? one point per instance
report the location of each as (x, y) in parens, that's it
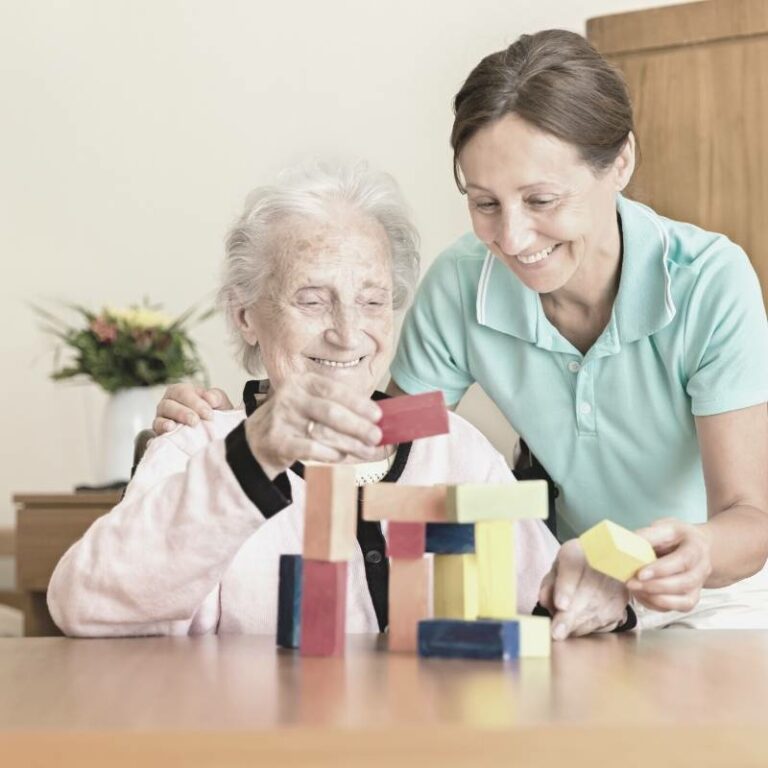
(574, 367)
(585, 408)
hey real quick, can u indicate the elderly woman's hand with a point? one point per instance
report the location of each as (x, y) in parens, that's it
(312, 417)
(187, 404)
(675, 580)
(580, 599)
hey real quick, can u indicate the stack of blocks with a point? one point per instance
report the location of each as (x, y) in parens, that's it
(312, 599)
(462, 603)
(470, 531)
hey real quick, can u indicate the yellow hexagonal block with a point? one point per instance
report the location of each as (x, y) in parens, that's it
(615, 551)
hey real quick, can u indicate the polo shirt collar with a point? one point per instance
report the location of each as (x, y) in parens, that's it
(643, 305)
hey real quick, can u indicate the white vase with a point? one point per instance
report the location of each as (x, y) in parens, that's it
(126, 413)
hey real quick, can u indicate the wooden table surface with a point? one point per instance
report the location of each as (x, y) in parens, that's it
(674, 697)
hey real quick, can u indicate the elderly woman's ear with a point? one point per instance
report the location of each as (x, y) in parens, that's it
(246, 323)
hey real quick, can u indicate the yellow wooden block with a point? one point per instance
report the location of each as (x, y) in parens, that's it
(470, 503)
(615, 551)
(496, 573)
(535, 636)
(455, 587)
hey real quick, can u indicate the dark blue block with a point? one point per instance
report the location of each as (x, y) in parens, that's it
(289, 602)
(456, 639)
(450, 538)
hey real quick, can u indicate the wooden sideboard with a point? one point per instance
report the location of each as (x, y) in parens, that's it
(46, 526)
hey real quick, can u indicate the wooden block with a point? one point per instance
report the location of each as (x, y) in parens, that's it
(323, 608)
(496, 571)
(408, 601)
(289, 602)
(411, 417)
(471, 502)
(406, 503)
(469, 639)
(450, 538)
(455, 587)
(330, 522)
(535, 636)
(406, 540)
(615, 551)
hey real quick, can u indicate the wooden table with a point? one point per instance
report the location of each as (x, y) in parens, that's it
(674, 697)
(47, 524)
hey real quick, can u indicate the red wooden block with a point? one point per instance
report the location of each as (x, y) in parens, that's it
(406, 539)
(410, 417)
(323, 608)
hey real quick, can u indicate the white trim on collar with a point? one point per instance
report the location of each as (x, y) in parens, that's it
(482, 288)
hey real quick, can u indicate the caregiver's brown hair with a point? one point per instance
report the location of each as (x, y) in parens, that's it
(556, 81)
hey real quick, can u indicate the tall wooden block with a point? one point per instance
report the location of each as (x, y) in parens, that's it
(406, 503)
(410, 417)
(289, 601)
(496, 572)
(469, 639)
(450, 538)
(323, 608)
(330, 522)
(535, 636)
(615, 551)
(408, 600)
(406, 540)
(472, 502)
(455, 587)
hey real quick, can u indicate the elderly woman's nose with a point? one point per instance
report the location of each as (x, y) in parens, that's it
(345, 327)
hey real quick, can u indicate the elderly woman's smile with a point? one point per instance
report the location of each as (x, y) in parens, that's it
(326, 305)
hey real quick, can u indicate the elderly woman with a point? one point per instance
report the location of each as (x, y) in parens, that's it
(629, 351)
(315, 268)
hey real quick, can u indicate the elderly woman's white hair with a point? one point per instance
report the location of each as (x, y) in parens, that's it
(311, 190)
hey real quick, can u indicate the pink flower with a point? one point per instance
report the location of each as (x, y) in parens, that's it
(104, 331)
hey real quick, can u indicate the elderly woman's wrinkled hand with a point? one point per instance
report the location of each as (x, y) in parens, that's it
(674, 582)
(187, 404)
(580, 599)
(311, 417)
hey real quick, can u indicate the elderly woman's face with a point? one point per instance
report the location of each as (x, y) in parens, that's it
(538, 207)
(327, 303)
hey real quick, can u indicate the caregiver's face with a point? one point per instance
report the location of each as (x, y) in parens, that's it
(327, 304)
(537, 206)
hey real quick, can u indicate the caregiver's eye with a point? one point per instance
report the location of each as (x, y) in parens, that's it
(541, 202)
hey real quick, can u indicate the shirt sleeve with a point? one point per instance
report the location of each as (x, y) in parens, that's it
(154, 564)
(726, 336)
(432, 351)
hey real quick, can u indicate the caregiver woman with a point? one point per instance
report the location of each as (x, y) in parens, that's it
(629, 351)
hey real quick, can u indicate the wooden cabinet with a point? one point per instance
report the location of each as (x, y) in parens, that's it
(46, 526)
(698, 75)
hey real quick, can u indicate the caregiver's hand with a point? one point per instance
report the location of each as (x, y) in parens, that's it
(310, 417)
(187, 404)
(580, 599)
(675, 580)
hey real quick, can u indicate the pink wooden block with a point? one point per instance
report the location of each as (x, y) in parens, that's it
(411, 417)
(406, 539)
(323, 608)
(409, 601)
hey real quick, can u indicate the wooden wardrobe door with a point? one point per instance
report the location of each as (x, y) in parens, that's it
(698, 76)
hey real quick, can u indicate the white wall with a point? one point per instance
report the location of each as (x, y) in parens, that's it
(131, 130)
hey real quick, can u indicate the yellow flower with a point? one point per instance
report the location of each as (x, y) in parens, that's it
(139, 317)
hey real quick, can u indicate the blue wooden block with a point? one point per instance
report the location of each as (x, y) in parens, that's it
(456, 639)
(450, 538)
(289, 602)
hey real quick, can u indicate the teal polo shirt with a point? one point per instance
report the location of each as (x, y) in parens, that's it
(615, 428)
